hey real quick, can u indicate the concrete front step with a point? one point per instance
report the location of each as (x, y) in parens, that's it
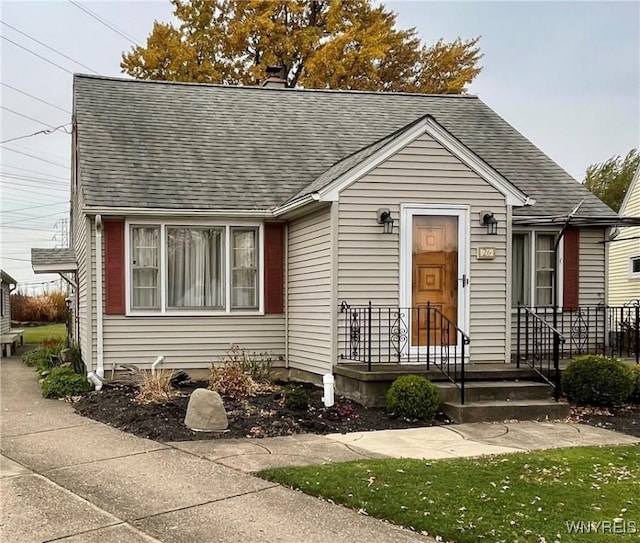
(477, 391)
(492, 411)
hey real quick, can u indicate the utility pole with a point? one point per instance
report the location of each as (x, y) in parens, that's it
(61, 237)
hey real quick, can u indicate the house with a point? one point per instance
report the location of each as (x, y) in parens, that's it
(624, 253)
(8, 337)
(332, 228)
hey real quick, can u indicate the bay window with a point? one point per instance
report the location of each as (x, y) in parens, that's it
(177, 268)
(533, 268)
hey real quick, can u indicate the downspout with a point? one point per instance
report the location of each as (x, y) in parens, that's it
(556, 338)
(100, 346)
(286, 295)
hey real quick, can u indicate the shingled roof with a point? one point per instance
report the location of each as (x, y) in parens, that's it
(192, 146)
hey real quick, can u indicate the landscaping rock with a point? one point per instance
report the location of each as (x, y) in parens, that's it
(205, 412)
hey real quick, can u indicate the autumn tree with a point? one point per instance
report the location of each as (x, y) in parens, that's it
(338, 44)
(610, 179)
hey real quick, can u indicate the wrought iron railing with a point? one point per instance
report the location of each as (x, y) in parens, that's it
(607, 330)
(414, 335)
(538, 345)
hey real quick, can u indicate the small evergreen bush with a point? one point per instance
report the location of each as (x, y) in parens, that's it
(62, 382)
(296, 398)
(413, 397)
(597, 381)
(635, 395)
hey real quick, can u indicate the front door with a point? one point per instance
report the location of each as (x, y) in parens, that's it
(435, 273)
(434, 278)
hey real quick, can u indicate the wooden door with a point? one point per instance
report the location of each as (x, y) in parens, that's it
(434, 277)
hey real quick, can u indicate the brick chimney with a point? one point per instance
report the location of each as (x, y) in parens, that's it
(275, 78)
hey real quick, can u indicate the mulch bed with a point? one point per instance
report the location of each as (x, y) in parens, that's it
(263, 415)
(625, 419)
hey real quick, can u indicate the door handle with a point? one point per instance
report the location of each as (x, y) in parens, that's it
(464, 279)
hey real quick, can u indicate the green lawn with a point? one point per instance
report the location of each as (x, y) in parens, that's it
(531, 497)
(36, 334)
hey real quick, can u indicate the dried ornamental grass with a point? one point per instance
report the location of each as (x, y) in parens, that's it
(155, 386)
(230, 380)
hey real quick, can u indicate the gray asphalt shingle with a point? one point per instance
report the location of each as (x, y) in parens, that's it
(189, 146)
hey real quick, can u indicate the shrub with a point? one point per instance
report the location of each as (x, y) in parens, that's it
(230, 380)
(63, 382)
(414, 397)
(597, 381)
(155, 387)
(45, 308)
(635, 395)
(43, 358)
(296, 398)
(259, 366)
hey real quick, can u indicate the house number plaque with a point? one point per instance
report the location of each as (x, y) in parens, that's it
(486, 253)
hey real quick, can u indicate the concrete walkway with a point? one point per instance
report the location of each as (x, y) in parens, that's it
(67, 478)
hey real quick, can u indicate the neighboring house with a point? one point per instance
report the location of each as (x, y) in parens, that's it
(7, 284)
(8, 337)
(206, 215)
(624, 252)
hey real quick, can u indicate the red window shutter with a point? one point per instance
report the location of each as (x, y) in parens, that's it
(114, 267)
(571, 274)
(274, 268)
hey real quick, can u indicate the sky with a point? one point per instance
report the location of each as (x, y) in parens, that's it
(565, 74)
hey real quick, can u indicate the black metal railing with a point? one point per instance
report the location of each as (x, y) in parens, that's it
(415, 335)
(538, 345)
(607, 330)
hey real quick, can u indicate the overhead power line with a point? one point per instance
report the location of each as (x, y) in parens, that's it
(46, 180)
(34, 97)
(36, 157)
(45, 132)
(48, 47)
(106, 23)
(37, 55)
(31, 219)
(58, 203)
(34, 171)
(26, 117)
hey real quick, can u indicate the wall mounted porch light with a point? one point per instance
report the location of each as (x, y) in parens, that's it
(487, 219)
(384, 218)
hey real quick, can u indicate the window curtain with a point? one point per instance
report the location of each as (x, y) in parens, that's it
(244, 269)
(194, 267)
(145, 267)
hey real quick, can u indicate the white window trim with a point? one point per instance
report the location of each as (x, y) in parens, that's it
(197, 223)
(633, 275)
(533, 233)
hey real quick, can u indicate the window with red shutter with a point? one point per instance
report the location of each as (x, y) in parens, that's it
(571, 272)
(114, 264)
(273, 268)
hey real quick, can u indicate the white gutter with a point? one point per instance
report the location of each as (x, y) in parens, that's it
(300, 202)
(100, 361)
(264, 213)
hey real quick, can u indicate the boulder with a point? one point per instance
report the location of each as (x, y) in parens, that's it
(205, 412)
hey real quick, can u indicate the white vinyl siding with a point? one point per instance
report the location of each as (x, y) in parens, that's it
(5, 319)
(592, 266)
(82, 247)
(369, 261)
(186, 341)
(624, 288)
(309, 293)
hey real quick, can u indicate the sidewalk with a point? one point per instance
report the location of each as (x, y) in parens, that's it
(67, 478)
